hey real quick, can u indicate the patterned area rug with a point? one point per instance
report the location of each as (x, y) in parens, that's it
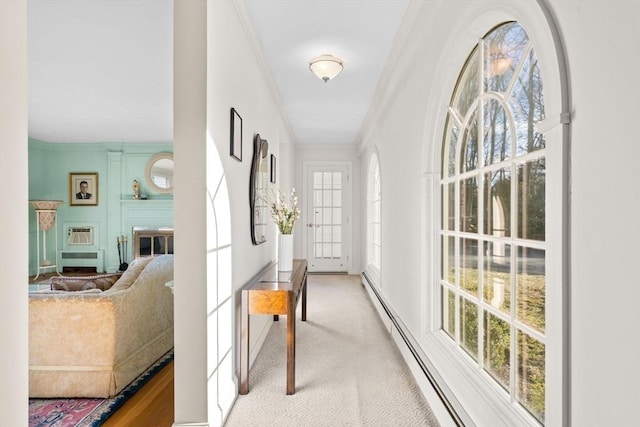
(87, 412)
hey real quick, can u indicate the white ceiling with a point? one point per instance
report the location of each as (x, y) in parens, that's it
(359, 32)
(101, 71)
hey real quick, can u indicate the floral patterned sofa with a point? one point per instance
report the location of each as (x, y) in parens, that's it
(94, 342)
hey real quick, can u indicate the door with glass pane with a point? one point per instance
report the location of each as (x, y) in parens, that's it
(327, 217)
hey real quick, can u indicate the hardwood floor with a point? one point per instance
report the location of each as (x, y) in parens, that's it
(151, 406)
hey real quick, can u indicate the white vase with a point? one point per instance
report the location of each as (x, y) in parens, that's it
(285, 252)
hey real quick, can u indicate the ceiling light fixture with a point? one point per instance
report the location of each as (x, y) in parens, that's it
(326, 67)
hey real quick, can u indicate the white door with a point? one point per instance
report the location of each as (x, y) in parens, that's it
(327, 219)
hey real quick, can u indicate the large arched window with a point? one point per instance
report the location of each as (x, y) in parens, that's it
(373, 223)
(493, 243)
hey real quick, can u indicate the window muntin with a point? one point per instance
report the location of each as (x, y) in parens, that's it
(493, 216)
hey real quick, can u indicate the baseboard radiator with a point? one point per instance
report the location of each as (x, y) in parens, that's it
(94, 258)
(452, 406)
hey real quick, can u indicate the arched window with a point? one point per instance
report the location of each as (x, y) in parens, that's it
(493, 243)
(373, 223)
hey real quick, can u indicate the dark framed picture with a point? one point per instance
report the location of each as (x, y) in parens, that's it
(236, 135)
(83, 189)
(273, 169)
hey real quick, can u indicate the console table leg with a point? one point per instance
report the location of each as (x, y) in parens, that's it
(244, 344)
(291, 344)
(304, 299)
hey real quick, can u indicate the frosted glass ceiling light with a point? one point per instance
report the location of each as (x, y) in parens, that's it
(326, 67)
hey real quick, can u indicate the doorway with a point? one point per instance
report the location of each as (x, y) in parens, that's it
(327, 216)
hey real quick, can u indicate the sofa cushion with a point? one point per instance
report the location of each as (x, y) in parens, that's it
(131, 273)
(102, 282)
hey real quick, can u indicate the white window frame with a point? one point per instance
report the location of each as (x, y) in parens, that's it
(479, 397)
(481, 236)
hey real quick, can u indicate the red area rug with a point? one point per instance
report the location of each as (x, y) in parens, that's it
(61, 412)
(87, 412)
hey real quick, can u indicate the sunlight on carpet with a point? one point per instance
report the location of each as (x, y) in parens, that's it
(88, 412)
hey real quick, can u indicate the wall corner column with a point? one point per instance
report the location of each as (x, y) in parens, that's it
(14, 227)
(190, 107)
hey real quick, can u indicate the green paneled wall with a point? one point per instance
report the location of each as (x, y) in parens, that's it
(117, 165)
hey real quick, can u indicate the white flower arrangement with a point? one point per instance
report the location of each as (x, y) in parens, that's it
(283, 213)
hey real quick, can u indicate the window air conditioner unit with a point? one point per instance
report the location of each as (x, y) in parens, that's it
(80, 236)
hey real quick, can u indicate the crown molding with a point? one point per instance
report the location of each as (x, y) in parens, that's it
(256, 47)
(386, 84)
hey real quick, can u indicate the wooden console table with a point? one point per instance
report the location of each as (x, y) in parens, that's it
(274, 293)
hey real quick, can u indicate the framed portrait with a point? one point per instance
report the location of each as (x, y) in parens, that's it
(273, 169)
(83, 189)
(236, 135)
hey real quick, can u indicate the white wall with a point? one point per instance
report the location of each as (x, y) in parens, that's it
(604, 286)
(14, 224)
(285, 168)
(605, 206)
(234, 78)
(237, 78)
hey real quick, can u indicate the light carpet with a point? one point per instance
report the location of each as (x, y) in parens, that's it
(349, 371)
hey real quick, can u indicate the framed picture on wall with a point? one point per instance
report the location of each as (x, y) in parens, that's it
(236, 135)
(273, 169)
(83, 189)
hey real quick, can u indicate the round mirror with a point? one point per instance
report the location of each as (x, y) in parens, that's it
(159, 173)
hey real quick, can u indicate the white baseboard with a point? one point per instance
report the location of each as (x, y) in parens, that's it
(393, 325)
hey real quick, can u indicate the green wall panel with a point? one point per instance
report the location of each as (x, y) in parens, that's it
(117, 165)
